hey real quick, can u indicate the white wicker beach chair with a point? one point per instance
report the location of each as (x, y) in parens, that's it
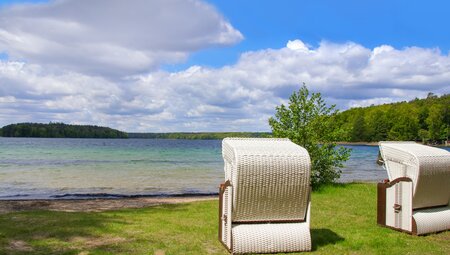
(265, 199)
(415, 199)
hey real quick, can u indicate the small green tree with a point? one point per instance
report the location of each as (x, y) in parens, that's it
(308, 122)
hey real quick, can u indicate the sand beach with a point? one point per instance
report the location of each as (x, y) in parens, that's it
(94, 205)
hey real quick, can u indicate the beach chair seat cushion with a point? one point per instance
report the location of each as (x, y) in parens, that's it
(270, 238)
(432, 220)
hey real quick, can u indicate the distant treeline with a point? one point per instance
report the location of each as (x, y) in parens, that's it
(202, 135)
(59, 130)
(426, 120)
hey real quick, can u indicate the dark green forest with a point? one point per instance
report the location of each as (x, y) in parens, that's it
(426, 120)
(194, 136)
(59, 130)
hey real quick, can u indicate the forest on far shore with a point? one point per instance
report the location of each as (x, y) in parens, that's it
(426, 120)
(59, 130)
(199, 135)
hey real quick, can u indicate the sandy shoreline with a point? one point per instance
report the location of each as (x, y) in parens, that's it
(94, 205)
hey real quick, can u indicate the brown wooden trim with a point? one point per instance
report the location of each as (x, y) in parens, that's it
(398, 229)
(430, 207)
(381, 203)
(413, 226)
(307, 205)
(231, 239)
(224, 245)
(395, 181)
(268, 221)
(222, 188)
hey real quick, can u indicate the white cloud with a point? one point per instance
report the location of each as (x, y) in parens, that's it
(111, 37)
(297, 45)
(237, 97)
(369, 102)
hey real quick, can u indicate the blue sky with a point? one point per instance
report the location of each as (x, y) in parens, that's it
(212, 65)
(270, 24)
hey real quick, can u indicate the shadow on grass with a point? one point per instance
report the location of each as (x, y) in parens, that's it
(323, 236)
(51, 232)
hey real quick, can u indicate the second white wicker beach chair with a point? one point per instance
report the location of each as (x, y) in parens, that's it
(265, 199)
(415, 199)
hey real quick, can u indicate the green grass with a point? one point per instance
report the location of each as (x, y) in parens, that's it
(343, 222)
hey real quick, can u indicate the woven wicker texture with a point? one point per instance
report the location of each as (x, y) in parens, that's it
(428, 167)
(270, 178)
(432, 220)
(269, 238)
(226, 222)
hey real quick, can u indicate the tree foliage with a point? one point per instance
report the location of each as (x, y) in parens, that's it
(308, 122)
(359, 129)
(426, 120)
(60, 130)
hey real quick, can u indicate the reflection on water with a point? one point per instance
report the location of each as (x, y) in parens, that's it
(46, 168)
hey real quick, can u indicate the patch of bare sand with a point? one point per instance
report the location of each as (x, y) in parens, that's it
(91, 242)
(19, 245)
(94, 205)
(159, 252)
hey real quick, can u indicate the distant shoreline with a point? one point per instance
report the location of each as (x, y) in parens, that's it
(191, 136)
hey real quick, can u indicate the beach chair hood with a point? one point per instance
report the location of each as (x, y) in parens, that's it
(271, 175)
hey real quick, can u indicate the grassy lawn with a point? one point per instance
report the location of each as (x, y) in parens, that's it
(343, 222)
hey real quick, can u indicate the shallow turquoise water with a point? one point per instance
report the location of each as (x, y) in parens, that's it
(68, 168)
(42, 168)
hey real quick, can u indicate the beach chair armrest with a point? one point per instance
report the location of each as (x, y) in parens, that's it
(225, 209)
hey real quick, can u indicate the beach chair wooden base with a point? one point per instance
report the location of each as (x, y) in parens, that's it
(394, 210)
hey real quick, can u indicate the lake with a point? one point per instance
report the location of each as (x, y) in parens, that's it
(33, 168)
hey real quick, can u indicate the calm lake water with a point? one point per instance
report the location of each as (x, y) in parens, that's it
(83, 168)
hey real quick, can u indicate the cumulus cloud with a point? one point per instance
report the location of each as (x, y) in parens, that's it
(297, 45)
(237, 97)
(111, 38)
